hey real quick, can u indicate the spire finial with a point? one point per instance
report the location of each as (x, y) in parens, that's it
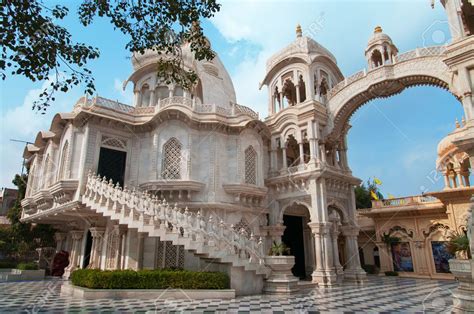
(378, 29)
(457, 124)
(299, 33)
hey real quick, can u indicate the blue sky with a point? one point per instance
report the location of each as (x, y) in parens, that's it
(394, 139)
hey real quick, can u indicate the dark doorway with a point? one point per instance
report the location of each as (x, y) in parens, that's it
(87, 251)
(112, 165)
(376, 257)
(293, 238)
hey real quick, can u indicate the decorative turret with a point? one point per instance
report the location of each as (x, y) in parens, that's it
(301, 72)
(380, 49)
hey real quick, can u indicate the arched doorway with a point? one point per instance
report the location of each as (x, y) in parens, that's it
(297, 236)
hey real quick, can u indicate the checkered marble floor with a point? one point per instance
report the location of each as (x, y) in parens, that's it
(378, 295)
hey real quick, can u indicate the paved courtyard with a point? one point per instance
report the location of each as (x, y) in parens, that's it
(380, 294)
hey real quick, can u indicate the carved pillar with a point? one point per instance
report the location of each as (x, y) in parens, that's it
(152, 98)
(76, 236)
(335, 251)
(285, 162)
(353, 270)
(121, 232)
(323, 153)
(324, 274)
(97, 240)
(59, 237)
(297, 94)
(301, 152)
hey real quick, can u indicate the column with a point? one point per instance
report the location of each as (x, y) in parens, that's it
(313, 141)
(152, 98)
(353, 270)
(301, 152)
(297, 94)
(324, 274)
(121, 232)
(141, 240)
(59, 237)
(335, 251)
(76, 236)
(136, 98)
(323, 153)
(446, 182)
(96, 251)
(281, 101)
(285, 164)
(170, 91)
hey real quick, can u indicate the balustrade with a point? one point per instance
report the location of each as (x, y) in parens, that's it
(148, 209)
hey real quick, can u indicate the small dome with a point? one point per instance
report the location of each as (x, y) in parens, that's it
(379, 37)
(446, 146)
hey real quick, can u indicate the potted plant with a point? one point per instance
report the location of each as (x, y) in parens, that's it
(281, 279)
(458, 246)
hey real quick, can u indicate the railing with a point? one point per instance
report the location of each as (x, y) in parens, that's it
(182, 222)
(231, 110)
(404, 201)
(409, 55)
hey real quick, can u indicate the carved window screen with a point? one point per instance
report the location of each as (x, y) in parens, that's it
(171, 161)
(250, 165)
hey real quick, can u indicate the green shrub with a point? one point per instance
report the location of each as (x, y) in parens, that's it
(391, 273)
(149, 279)
(7, 264)
(369, 269)
(27, 266)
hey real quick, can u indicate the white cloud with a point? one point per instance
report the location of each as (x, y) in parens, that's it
(125, 96)
(344, 29)
(22, 123)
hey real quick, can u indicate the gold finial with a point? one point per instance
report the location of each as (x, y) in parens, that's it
(299, 33)
(457, 124)
(377, 29)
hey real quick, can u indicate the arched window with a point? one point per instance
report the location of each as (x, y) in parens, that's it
(302, 89)
(171, 161)
(250, 165)
(289, 92)
(178, 91)
(376, 58)
(64, 161)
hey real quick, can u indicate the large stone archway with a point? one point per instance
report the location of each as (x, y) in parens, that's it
(424, 66)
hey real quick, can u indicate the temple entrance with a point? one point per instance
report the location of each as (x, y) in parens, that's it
(87, 250)
(112, 164)
(293, 238)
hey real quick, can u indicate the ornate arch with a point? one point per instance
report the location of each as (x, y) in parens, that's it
(339, 208)
(287, 205)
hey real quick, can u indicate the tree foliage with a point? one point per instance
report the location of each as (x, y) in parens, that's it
(20, 239)
(34, 45)
(363, 195)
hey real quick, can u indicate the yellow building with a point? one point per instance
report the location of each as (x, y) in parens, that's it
(422, 223)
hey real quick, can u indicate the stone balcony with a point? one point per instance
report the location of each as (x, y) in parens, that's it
(54, 196)
(172, 189)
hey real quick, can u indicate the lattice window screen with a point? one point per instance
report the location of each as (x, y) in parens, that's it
(171, 162)
(250, 165)
(169, 255)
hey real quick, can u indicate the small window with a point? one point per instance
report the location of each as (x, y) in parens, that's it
(250, 165)
(171, 162)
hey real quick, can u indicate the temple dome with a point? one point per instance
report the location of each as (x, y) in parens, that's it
(304, 47)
